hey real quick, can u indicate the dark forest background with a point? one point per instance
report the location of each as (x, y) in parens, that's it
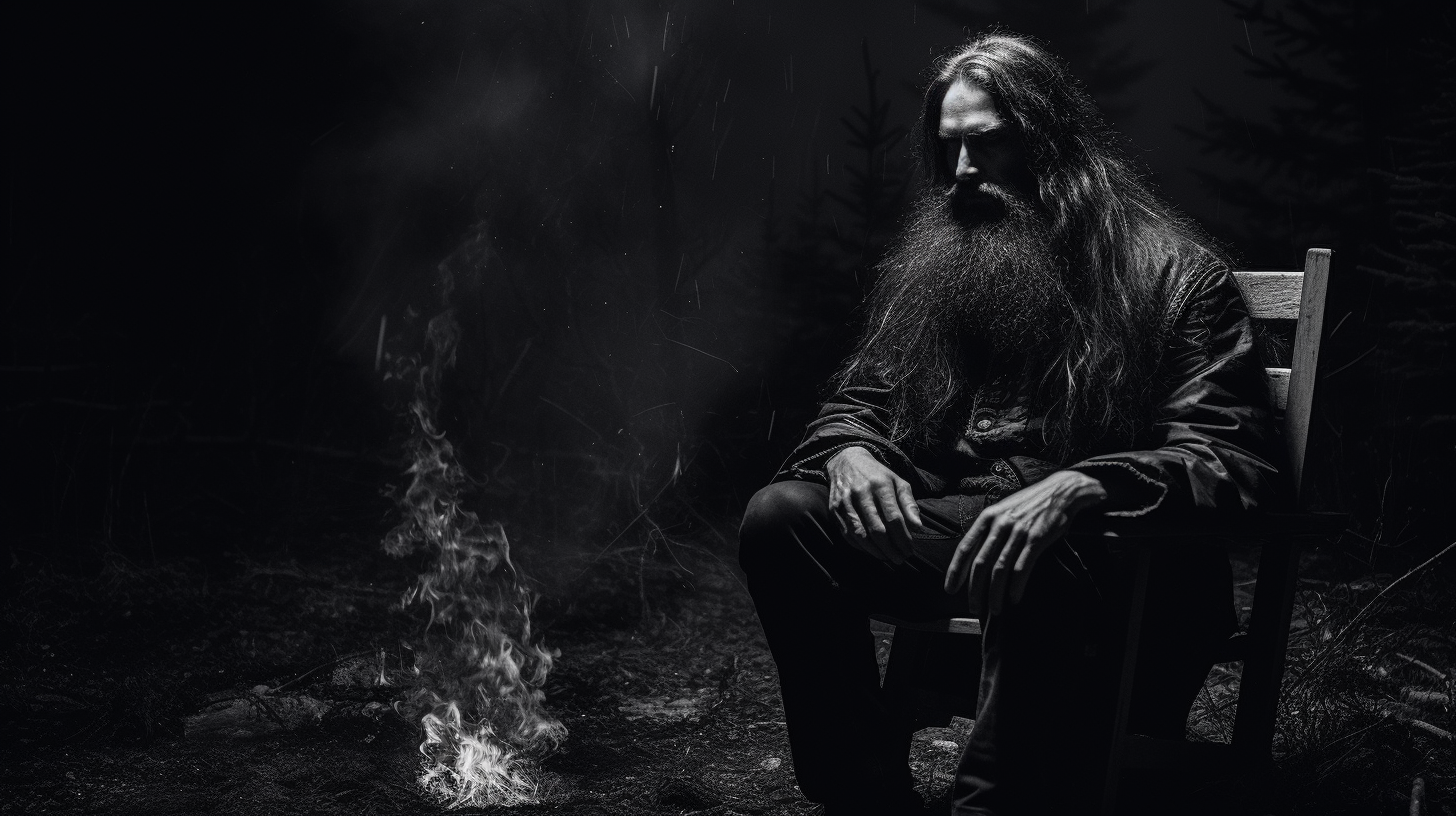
(654, 222)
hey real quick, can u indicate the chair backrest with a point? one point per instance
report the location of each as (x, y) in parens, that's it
(1300, 296)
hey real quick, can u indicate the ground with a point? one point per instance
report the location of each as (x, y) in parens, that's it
(253, 686)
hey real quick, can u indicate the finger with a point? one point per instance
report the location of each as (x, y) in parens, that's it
(865, 539)
(848, 518)
(908, 508)
(1037, 543)
(966, 550)
(843, 513)
(985, 562)
(1001, 572)
(855, 535)
(869, 513)
(898, 533)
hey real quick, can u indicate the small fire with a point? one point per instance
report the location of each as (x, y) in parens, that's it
(479, 669)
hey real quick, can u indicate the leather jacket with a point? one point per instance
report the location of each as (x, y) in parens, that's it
(1208, 445)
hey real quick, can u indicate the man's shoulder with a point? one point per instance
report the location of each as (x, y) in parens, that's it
(1187, 268)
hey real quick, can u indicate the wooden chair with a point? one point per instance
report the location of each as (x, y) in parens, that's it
(1270, 296)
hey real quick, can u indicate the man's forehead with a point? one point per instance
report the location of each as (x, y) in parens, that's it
(968, 109)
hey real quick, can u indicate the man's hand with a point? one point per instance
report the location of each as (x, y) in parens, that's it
(875, 508)
(1002, 546)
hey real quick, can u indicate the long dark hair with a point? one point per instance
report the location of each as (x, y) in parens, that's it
(1113, 232)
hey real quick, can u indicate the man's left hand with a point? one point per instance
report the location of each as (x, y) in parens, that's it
(1003, 544)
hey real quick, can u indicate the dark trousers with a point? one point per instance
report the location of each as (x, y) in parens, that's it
(1048, 664)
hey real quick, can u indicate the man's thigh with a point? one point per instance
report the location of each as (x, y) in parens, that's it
(789, 535)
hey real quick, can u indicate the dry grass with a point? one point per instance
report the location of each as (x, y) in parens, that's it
(1366, 706)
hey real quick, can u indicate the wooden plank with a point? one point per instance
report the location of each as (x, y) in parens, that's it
(1131, 638)
(1278, 380)
(954, 626)
(1304, 363)
(1268, 640)
(1209, 758)
(1271, 295)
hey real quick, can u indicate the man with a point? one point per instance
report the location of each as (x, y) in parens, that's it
(1047, 340)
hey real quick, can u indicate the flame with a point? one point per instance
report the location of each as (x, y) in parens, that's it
(478, 667)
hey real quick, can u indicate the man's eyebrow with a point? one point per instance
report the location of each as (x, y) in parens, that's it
(994, 130)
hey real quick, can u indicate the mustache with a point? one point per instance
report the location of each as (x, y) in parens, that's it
(981, 202)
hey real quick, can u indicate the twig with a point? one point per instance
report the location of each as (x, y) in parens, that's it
(704, 353)
(578, 419)
(1434, 672)
(653, 408)
(1362, 356)
(1384, 715)
(512, 374)
(1427, 727)
(1415, 695)
(618, 537)
(694, 513)
(336, 661)
(1389, 587)
(714, 556)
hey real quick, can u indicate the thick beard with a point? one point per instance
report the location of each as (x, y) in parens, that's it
(971, 274)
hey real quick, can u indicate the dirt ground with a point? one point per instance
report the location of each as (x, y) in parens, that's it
(175, 689)
(253, 686)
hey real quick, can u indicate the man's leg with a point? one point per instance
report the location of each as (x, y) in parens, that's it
(1050, 668)
(1049, 664)
(1043, 712)
(813, 592)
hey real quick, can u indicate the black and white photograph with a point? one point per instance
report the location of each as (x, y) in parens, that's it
(729, 408)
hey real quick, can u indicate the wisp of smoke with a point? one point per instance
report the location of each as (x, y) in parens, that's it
(479, 669)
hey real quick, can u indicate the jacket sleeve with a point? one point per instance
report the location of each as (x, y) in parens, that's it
(1211, 442)
(853, 417)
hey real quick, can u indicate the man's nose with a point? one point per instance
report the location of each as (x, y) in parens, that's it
(966, 168)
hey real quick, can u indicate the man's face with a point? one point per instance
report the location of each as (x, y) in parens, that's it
(981, 147)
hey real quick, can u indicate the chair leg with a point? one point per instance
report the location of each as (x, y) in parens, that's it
(932, 676)
(1268, 641)
(1125, 680)
(906, 653)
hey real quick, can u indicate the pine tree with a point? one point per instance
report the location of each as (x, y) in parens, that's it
(1360, 159)
(1416, 269)
(876, 192)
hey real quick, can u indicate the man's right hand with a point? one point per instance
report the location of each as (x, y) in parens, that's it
(875, 508)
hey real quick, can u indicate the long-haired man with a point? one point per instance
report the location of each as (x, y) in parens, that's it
(1046, 339)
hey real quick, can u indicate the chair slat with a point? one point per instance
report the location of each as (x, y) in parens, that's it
(1305, 362)
(1278, 379)
(1271, 295)
(954, 626)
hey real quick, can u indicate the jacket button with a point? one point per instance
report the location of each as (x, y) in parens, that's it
(983, 424)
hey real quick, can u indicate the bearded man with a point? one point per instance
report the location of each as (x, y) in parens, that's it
(1047, 340)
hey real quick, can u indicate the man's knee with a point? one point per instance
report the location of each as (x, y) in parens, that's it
(770, 514)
